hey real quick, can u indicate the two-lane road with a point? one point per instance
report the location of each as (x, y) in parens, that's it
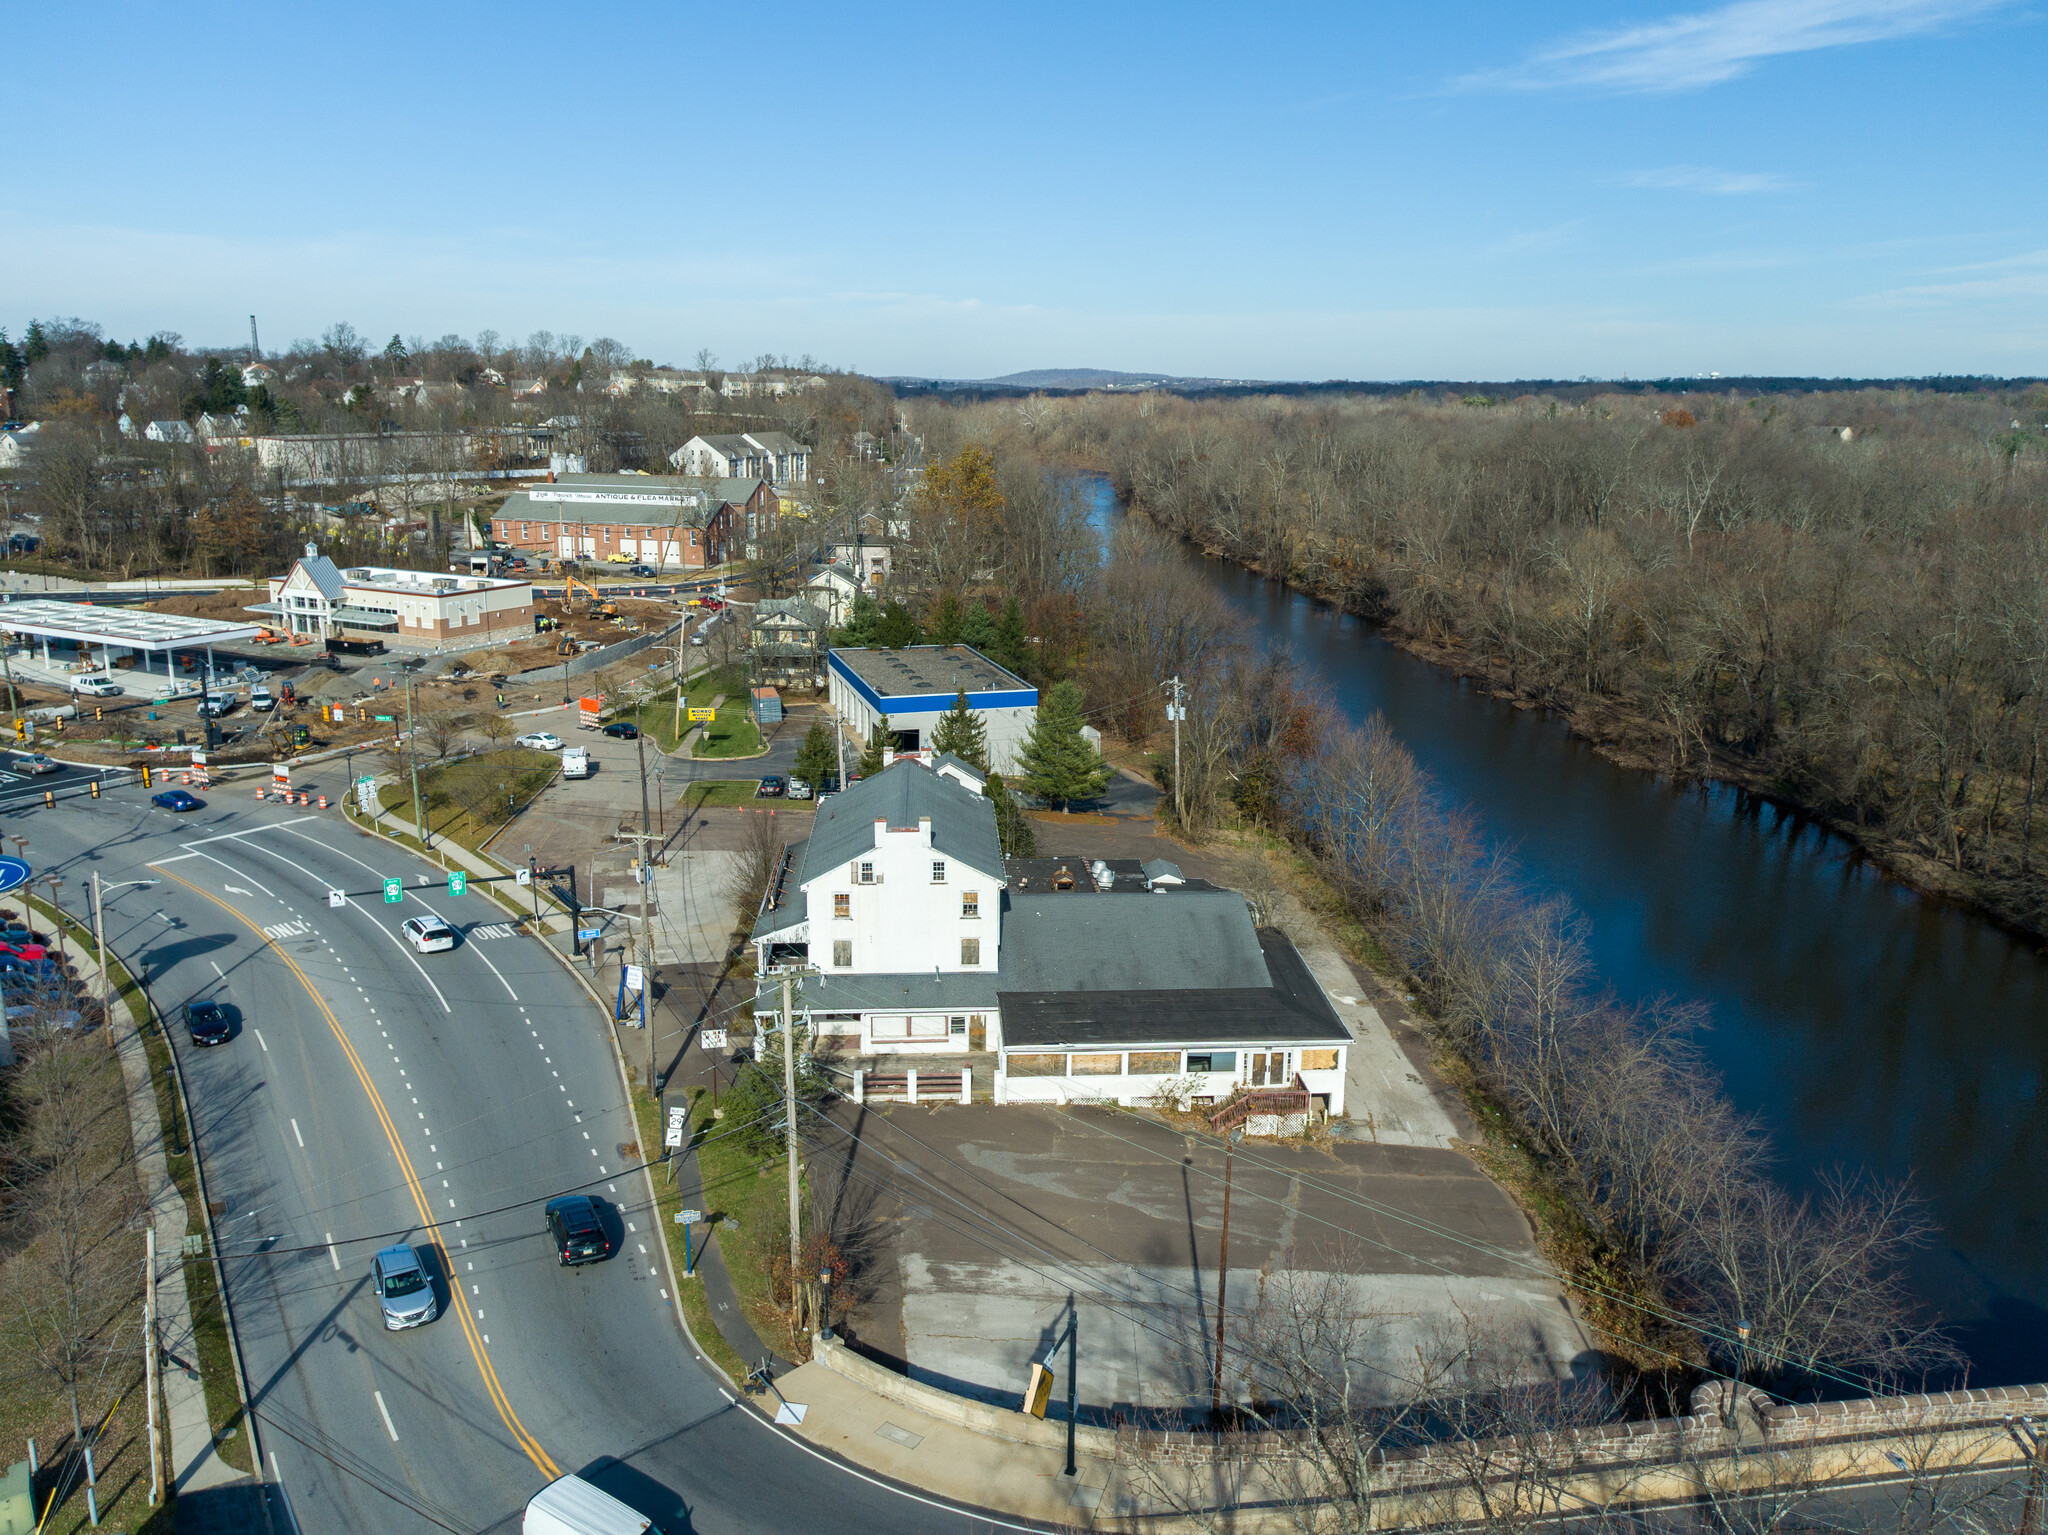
(372, 1094)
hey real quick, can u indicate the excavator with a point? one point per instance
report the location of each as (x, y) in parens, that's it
(599, 608)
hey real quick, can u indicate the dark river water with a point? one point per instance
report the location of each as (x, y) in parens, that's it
(1865, 1027)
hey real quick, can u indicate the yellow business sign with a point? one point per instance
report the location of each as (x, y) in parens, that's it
(702, 714)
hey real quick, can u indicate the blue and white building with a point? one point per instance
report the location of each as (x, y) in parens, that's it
(915, 685)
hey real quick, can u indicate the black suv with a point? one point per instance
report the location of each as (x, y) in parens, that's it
(575, 1228)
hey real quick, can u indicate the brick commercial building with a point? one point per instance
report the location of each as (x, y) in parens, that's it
(666, 521)
(400, 607)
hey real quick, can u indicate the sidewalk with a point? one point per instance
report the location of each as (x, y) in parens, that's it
(193, 1463)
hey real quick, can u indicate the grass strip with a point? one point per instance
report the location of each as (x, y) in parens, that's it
(668, 1200)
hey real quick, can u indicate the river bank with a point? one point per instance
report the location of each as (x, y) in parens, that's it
(1631, 739)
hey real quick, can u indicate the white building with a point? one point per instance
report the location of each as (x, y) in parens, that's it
(17, 443)
(169, 431)
(913, 686)
(401, 607)
(908, 933)
(772, 456)
(869, 562)
(833, 590)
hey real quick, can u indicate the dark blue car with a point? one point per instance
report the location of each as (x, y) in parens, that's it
(208, 1023)
(177, 799)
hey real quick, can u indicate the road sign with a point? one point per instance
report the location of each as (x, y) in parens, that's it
(386, 719)
(697, 715)
(636, 978)
(366, 795)
(281, 776)
(712, 1039)
(678, 1126)
(523, 876)
(689, 1217)
(14, 873)
(336, 898)
(394, 892)
(589, 934)
(457, 882)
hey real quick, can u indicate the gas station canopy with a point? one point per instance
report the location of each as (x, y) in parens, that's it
(128, 628)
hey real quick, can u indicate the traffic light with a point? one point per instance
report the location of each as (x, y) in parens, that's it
(145, 778)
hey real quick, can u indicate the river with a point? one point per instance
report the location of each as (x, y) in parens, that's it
(1864, 1026)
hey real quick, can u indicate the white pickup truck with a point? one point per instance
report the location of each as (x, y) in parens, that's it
(95, 685)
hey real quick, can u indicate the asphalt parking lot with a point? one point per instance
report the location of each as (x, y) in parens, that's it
(979, 1225)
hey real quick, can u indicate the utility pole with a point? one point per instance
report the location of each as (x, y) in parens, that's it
(156, 1480)
(1222, 1278)
(643, 943)
(789, 1110)
(99, 938)
(1177, 711)
(640, 751)
(412, 761)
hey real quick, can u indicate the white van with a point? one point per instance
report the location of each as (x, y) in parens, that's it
(96, 685)
(571, 1506)
(262, 699)
(575, 762)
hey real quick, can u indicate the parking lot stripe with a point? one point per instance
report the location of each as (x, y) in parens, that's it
(385, 1413)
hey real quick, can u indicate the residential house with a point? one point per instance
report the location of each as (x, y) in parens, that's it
(833, 590)
(402, 607)
(772, 456)
(16, 443)
(659, 520)
(866, 562)
(786, 641)
(169, 431)
(259, 375)
(906, 933)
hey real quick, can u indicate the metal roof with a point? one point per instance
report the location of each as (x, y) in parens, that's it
(136, 628)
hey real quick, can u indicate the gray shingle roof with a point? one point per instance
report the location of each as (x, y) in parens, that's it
(963, 823)
(1091, 941)
(651, 500)
(952, 990)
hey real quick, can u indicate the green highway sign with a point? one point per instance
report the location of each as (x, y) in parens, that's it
(457, 882)
(394, 892)
(385, 719)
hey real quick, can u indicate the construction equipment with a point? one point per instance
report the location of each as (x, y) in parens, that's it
(566, 646)
(599, 608)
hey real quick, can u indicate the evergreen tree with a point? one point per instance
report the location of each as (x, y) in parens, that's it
(35, 346)
(1013, 826)
(880, 737)
(1059, 764)
(13, 366)
(945, 625)
(897, 628)
(978, 627)
(815, 759)
(1008, 648)
(862, 619)
(963, 733)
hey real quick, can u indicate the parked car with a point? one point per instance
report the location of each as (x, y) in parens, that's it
(642, 570)
(539, 740)
(177, 799)
(429, 934)
(770, 787)
(623, 730)
(577, 1230)
(404, 1293)
(207, 1023)
(35, 764)
(798, 789)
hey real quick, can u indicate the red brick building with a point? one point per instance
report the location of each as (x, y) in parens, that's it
(665, 521)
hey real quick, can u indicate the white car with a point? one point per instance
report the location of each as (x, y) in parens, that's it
(430, 935)
(540, 741)
(798, 789)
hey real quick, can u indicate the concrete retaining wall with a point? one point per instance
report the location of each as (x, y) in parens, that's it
(981, 1417)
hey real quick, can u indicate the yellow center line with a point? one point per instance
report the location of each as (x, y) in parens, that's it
(478, 1352)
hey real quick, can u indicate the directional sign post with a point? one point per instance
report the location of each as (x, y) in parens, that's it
(457, 882)
(394, 892)
(686, 1219)
(336, 898)
(522, 877)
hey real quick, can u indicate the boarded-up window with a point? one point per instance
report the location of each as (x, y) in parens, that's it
(842, 952)
(916, 1026)
(1037, 1065)
(1098, 1065)
(1319, 1060)
(970, 951)
(1154, 1062)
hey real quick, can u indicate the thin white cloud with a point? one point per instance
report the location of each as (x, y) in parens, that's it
(1703, 178)
(2022, 276)
(1689, 52)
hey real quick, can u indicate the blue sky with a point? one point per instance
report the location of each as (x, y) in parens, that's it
(1392, 191)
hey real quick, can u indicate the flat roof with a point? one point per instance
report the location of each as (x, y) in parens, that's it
(135, 628)
(925, 670)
